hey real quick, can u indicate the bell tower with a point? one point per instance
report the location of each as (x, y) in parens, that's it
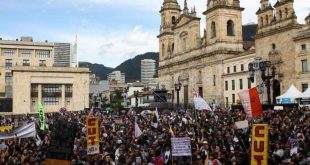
(170, 12)
(224, 25)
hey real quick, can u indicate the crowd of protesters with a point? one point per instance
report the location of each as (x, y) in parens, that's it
(214, 137)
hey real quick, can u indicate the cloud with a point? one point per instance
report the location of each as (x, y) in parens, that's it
(112, 48)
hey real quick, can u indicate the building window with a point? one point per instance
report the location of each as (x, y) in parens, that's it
(33, 100)
(25, 53)
(8, 52)
(51, 88)
(51, 100)
(273, 46)
(233, 98)
(8, 63)
(303, 47)
(43, 53)
(226, 85)
(242, 67)
(233, 84)
(230, 28)
(173, 20)
(214, 80)
(68, 88)
(235, 68)
(262, 21)
(226, 101)
(249, 83)
(304, 65)
(26, 62)
(68, 100)
(267, 20)
(280, 14)
(200, 91)
(42, 63)
(304, 87)
(228, 70)
(172, 47)
(286, 12)
(213, 30)
(241, 83)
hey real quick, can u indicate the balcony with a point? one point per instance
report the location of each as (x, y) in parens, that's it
(51, 94)
(26, 64)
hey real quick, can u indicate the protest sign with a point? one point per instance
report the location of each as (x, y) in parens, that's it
(92, 135)
(259, 153)
(242, 124)
(181, 146)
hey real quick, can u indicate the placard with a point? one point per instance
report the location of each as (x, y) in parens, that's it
(259, 153)
(181, 146)
(92, 135)
(242, 124)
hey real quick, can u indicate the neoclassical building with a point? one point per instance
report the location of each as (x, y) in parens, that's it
(216, 64)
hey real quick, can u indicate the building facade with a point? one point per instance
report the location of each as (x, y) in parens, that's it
(148, 71)
(54, 87)
(117, 76)
(23, 52)
(200, 63)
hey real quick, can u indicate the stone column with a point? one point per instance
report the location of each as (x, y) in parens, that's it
(63, 96)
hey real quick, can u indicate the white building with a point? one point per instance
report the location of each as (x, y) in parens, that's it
(117, 76)
(148, 70)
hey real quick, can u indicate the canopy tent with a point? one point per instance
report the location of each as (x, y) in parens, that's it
(306, 94)
(304, 98)
(289, 96)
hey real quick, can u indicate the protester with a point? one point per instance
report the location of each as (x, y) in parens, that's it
(215, 140)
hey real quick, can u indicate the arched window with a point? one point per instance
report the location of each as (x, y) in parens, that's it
(213, 30)
(286, 12)
(163, 50)
(273, 46)
(267, 20)
(173, 19)
(230, 28)
(280, 14)
(172, 47)
(261, 21)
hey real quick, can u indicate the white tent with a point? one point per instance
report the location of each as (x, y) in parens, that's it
(304, 98)
(306, 94)
(289, 96)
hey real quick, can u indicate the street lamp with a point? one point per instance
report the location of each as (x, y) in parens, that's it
(263, 66)
(177, 87)
(136, 93)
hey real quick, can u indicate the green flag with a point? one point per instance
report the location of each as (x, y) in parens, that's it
(41, 116)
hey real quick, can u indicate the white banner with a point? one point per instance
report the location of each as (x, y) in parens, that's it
(181, 146)
(26, 131)
(200, 103)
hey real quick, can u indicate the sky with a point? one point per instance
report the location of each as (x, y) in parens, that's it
(110, 31)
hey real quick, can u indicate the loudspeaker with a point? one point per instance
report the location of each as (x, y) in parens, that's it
(62, 143)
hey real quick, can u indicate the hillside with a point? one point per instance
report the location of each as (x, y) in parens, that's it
(99, 69)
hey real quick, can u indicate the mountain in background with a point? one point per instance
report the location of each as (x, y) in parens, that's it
(98, 69)
(132, 67)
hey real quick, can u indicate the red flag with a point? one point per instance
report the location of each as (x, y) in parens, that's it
(250, 102)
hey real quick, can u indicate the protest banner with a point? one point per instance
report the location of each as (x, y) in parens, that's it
(242, 124)
(41, 116)
(25, 131)
(181, 146)
(259, 152)
(92, 135)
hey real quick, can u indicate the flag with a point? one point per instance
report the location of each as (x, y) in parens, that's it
(200, 103)
(41, 116)
(25, 131)
(138, 131)
(154, 122)
(251, 103)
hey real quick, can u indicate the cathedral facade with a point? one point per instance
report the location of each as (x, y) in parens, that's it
(216, 63)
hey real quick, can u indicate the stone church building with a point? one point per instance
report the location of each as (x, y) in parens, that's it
(216, 64)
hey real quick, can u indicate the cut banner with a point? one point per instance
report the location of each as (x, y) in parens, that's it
(200, 103)
(259, 151)
(26, 131)
(251, 103)
(92, 135)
